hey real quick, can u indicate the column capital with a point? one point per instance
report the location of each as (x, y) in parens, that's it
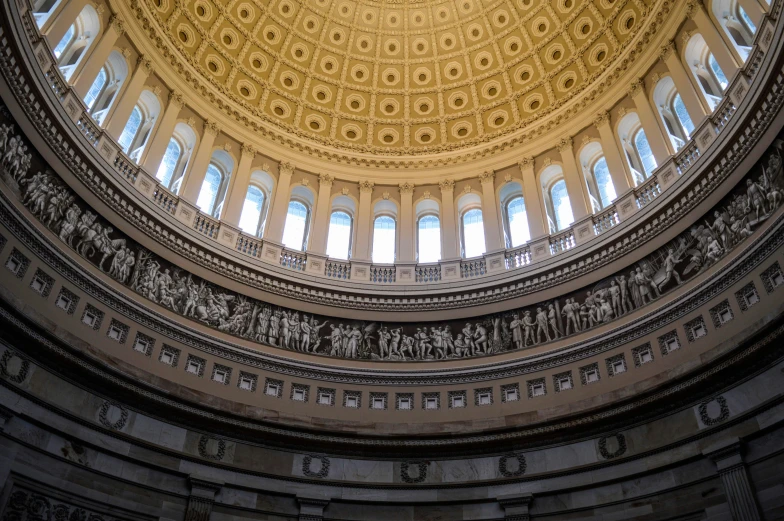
(248, 150)
(601, 119)
(175, 98)
(526, 163)
(366, 187)
(692, 8)
(211, 127)
(286, 168)
(406, 188)
(446, 185)
(116, 21)
(146, 64)
(635, 88)
(487, 176)
(564, 145)
(667, 50)
(326, 180)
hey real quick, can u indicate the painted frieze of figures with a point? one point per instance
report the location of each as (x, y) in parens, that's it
(55, 205)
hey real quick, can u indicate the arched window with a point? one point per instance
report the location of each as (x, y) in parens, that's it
(721, 79)
(737, 24)
(169, 163)
(673, 112)
(711, 79)
(294, 231)
(601, 174)
(636, 147)
(384, 240)
(106, 86)
(339, 236)
(65, 41)
(683, 115)
(130, 130)
(644, 153)
(133, 139)
(43, 9)
(428, 239)
(473, 232)
(562, 207)
(95, 89)
(70, 50)
(250, 218)
(209, 189)
(517, 221)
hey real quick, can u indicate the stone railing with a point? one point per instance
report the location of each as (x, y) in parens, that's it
(205, 226)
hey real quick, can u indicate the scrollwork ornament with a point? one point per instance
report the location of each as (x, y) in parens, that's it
(406, 188)
(218, 455)
(692, 8)
(322, 472)
(601, 119)
(724, 411)
(366, 187)
(103, 416)
(286, 168)
(146, 64)
(635, 88)
(620, 451)
(526, 163)
(667, 50)
(503, 465)
(176, 99)
(421, 474)
(211, 127)
(326, 180)
(487, 176)
(21, 373)
(117, 22)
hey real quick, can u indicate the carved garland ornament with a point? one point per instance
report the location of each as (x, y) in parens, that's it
(323, 470)
(20, 374)
(707, 419)
(620, 451)
(503, 465)
(220, 451)
(103, 416)
(421, 474)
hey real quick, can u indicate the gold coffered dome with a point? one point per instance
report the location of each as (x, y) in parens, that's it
(399, 78)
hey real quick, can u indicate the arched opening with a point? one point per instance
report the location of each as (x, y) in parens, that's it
(384, 232)
(213, 188)
(428, 231)
(597, 176)
(256, 204)
(556, 199)
(706, 70)
(737, 25)
(72, 48)
(514, 217)
(178, 154)
(139, 126)
(636, 147)
(297, 227)
(341, 228)
(106, 86)
(672, 112)
(472, 229)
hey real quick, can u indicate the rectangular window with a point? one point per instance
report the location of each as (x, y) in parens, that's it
(325, 399)
(484, 398)
(646, 356)
(352, 401)
(272, 389)
(510, 395)
(565, 383)
(537, 389)
(13, 264)
(458, 401)
(114, 333)
(141, 345)
(193, 367)
(618, 367)
(246, 383)
(671, 344)
(299, 395)
(698, 331)
(431, 403)
(378, 403)
(405, 404)
(167, 357)
(63, 302)
(220, 376)
(38, 285)
(592, 375)
(89, 318)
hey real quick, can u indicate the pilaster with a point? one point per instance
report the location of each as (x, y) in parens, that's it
(516, 506)
(201, 498)
(734, 476)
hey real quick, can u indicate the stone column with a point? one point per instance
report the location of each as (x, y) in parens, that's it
(516, 506)
(656, 139)
(160, 141)
(238, 187)
(450, 244)
(407, 232)
(201, 499)
(694, 104)
(490, 212)
(311, 509)
(194, 174)
(364, 221)
(273, 231)
(58, 25)
(713, 39)
(98, 54)
(612, 155)
(320, 233)
(575, 183)
(116, 119)
(532, 195)
(735, 478)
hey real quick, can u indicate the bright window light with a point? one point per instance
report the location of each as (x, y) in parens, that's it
(169, 163)
(429, 239)
(294, 230)
(473, 233)
(209, 189)
(604, 182)
(251, 210)
(384, 240)
(561, 205)
(339, 237)
(518, 222)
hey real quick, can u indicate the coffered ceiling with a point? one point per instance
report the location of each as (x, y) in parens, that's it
(399, 77)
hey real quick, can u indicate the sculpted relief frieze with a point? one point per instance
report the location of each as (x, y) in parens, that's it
(57, 207)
